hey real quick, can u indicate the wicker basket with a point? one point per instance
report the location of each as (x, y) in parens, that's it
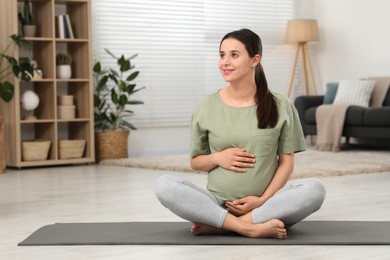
(35, 150)
(111, 145)
(68, 149)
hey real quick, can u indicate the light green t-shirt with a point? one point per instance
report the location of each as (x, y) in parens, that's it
(216, 126)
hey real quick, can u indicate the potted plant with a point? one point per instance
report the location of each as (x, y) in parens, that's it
(113, 90)
(27, 21)
(64, 70)
(20, 68)
(10, 66)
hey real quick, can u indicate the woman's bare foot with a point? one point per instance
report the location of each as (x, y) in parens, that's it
(203, 229)
(273, 228)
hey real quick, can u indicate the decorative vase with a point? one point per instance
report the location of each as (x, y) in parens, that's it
(64, 72)
(111, 144)
(30, 101)
(29, 30)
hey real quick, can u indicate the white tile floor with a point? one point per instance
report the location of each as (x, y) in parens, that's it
(32, 198)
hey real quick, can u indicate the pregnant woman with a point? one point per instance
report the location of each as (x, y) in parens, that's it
(245, 137)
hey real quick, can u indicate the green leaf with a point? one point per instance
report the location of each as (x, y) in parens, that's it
(115, 73)
(113, 118)
(132, 76)
(102, 83)
(110, 53)
(114, 96)
(124, 64)
(132, 57)
(26, 69)
(113, 78)
(102, 105)
(22, 69)
(129, 125)
(11, 60)
(96, 100)
(122, 100)
(134, 102)
(6, 91)
(130, 112)
(130, 88)
(97, 68)
(20, 41)
(136, 90)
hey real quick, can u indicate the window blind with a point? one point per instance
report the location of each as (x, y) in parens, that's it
(177, 45)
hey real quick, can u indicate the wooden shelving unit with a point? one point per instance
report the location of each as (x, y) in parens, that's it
(46, 44)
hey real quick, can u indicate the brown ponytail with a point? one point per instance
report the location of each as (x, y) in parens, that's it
(267, 111)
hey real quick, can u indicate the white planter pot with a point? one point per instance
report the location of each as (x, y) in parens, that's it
(64, 72)
(29, 30)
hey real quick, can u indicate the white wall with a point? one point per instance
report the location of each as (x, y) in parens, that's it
(159, 141)
(354, 39)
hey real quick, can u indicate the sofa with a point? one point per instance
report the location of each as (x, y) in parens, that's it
(360, 122)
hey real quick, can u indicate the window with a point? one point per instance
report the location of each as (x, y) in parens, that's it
(177, 45)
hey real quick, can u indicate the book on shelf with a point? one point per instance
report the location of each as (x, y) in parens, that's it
(64, 27)
(69, 26)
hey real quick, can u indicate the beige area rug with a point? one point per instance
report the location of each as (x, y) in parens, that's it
(311, 163)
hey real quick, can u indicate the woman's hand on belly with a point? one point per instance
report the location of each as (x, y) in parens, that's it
(234, 159)
(243, 206)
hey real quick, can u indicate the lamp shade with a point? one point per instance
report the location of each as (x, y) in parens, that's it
(302, 30)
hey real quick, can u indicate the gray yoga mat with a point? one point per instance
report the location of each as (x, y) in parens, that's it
(178, 233)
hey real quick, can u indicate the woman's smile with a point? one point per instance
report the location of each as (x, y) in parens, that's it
(227, 72)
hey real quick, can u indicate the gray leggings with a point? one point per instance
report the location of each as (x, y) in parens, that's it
(294, 202)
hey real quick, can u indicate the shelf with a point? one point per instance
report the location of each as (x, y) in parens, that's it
(71, 1)
(42, 80)
(38, 121)
(45, 45)
(72, 80)
(73, 120)
(39, 39)
(69, 40)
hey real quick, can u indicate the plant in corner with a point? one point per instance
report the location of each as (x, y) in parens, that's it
(20, 68)
(27, 21)
(114, 88)
(9, 67)
(64, 70)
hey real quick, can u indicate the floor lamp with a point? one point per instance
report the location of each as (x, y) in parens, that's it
(301, 32)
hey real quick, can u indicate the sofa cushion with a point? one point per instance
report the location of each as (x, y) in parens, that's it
(354, 92)
(330, 94)
(377, 116)
(354, 116)
(387, 99)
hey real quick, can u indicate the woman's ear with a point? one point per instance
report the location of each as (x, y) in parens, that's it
(256, 60)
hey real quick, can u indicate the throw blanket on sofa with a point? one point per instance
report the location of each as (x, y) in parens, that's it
(379, 92)
(330, 118)
(330, 122)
